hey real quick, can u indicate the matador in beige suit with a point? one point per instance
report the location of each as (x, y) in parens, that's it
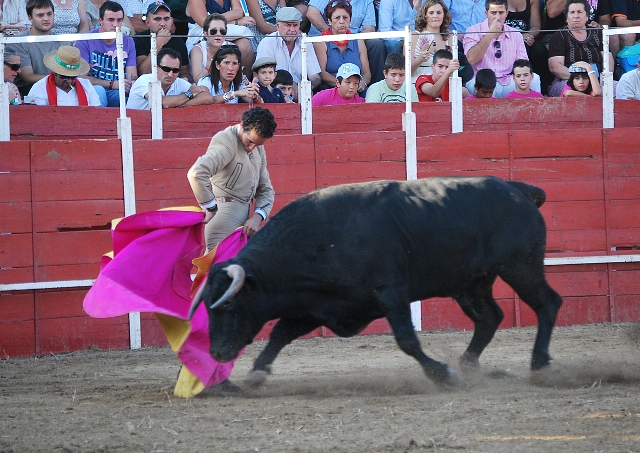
(232, 174)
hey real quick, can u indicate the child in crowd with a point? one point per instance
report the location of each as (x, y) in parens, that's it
(435, 86)
(523, 76)
(485, 84)
(346, 91)
(264, 70)
(391, 88)
(583, 81)
(284, 81)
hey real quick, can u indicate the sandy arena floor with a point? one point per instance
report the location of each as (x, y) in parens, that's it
(337, 395)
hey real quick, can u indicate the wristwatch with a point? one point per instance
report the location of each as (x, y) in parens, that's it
(213, 209)
(188, 94)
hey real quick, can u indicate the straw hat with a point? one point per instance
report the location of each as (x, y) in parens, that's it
(66, 61)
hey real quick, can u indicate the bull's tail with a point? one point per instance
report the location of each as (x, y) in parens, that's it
(535, 194)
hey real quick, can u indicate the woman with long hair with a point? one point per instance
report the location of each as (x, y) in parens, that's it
(225, 81)
(432, 34)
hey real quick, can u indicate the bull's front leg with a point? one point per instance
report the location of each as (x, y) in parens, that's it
(399, 318)
(283, 333)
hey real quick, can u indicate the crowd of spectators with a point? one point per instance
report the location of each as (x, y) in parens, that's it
(235, 51)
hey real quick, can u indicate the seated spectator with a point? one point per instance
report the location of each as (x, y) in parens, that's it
(484, 85)
(574, 44)
(264, 71)
(41, 16)
(331, 55)
(345, 91)
(102, 57)
(13, 17)
(237, 22)
(523, 76)
(432, 26)
(629, 85)
(363, 20)
(524, 15)
(285, 46)
(583, 81)
(11, 70)
(159, 21)
(93, 14)
(176, 92)
(224, 81)
(264, 13)
(200, 57)
(63, 86)
(392, 88)
(600, 12)
(493, 45)
(284, 82)
(394, 15)
(435, 86)
(70, 17)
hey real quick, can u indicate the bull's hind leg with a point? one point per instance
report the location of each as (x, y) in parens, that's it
(283, 333)
(528, 281)
(399, 317)
(478, 303)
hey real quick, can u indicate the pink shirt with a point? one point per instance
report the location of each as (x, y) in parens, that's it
(512, 48)
(515, 95)
(332, 97)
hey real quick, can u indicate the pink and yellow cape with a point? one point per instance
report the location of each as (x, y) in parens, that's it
(149, 270)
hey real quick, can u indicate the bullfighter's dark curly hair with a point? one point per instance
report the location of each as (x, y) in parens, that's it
(261, 120)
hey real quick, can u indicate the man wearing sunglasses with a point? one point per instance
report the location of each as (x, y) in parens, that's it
(159, 21)
(493, 45)
(62, 86)
(176, 92)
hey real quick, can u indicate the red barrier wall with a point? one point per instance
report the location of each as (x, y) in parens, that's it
(57, 199)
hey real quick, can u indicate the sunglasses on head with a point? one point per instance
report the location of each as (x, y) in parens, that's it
(13, 67)
(496, 45)
(340, 2)
(214, 31)
(169, 69)
(67, 77)
(228, 46)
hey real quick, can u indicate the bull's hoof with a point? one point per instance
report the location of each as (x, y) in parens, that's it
(447, 379)
(256, 378)
(469, 364)
(539, 362)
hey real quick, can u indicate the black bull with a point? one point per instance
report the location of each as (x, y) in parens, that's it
(344, 256)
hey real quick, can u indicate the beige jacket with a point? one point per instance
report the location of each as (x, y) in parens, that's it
(227, 170)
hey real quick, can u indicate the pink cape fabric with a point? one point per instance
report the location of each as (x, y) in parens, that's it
(151, 272)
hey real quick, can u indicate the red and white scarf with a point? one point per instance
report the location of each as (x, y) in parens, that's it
(52, 94)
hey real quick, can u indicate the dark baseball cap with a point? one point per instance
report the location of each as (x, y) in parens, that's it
(155, 6)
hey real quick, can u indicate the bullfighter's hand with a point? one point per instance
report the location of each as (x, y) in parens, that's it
(208, 215)
(252, 225)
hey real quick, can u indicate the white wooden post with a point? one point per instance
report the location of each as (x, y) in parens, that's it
(607, 84)
(304, 92)
(5, 131)
(155, 93)
(455, 92)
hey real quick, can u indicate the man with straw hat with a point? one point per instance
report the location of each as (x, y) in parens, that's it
(63, 86)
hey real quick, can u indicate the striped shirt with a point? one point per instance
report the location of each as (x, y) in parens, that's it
(511, 47)
(14, 12)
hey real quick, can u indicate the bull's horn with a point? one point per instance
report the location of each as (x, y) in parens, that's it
(237, 273)
(197, 299)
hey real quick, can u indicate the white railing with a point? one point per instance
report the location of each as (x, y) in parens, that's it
(408, 122)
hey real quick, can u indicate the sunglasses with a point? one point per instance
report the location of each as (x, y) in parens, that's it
(340, 2)
(496, 45)
(66, 77)
(214, 31)
(169, 69)
(13, 67)
(228, 46)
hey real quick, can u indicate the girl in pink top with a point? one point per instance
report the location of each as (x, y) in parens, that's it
(583, 81)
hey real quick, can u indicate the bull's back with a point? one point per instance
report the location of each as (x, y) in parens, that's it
(359, 234)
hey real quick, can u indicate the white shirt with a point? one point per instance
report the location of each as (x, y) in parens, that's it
(206, 82)
(140, 88)
(274, 46)
(39, 94)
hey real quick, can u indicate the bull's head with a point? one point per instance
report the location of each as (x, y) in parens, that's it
(229, 331)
